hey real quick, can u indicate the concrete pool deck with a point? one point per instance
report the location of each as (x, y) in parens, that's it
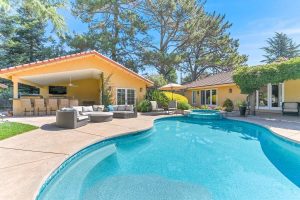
(27, 159)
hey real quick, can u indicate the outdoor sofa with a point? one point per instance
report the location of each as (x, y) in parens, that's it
(291, 108)
(123, 111)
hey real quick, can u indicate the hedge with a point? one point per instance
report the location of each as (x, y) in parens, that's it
(179, 98)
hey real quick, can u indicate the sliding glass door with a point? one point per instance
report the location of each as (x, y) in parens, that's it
(125, 96)
(209, 97)
(270, 96)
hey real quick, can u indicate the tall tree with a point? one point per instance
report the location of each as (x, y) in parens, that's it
(167, 21)
(24, 41)
(116, 29)
(48, 10)
(211, 50)
(280, 46)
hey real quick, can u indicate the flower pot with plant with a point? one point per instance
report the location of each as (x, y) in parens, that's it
(242, 107)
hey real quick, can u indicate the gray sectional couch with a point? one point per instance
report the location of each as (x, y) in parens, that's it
(124, 111)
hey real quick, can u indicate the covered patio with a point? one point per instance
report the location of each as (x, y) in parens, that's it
(77, 79)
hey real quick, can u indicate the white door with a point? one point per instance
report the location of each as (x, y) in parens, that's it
(270, 97)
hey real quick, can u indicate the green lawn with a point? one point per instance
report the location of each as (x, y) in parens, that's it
(9, 129)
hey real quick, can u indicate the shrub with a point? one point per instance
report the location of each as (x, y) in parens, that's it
(177, 97)
(183, 106)
(204, 107)
(144, 106)
(158, 96)
(228, 104)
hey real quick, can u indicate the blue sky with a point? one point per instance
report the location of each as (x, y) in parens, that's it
(253, 22)
(256, 20)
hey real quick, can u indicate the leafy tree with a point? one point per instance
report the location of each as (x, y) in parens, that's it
(167, 21)
(115, 27)
(24, 41)
(47, 10)
(280, 46)
(211, 50)
(157, 79)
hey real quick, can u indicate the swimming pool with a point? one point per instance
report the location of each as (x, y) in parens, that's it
(182, 158)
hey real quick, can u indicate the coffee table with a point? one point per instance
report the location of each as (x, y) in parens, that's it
(100, 116)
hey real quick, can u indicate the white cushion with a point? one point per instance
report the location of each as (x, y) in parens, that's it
(291, 105)
(67, 109)
(129, 108)
(121, 108)
(78, 109)
(115, 107)
(87, 109)
(79, 118)
(98, 107)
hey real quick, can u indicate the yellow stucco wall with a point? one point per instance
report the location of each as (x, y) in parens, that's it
(88, 89)
(292, 91)
(222, 94)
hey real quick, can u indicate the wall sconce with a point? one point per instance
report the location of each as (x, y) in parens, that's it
(198, 92)
(230, 90)
(141, 89)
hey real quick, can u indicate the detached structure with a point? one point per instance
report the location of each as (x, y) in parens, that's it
(214, 90)
(78, 77)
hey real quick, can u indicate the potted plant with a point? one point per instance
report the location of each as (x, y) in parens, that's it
(242, 107)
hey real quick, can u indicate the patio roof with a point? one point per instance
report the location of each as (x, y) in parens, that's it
(15, 69)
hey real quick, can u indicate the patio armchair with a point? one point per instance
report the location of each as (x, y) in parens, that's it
(155, 108)
(290, 108)
(39, 106)
(51, 105)
(27, 106)
(63, 103)
(68, 118)
(172, 106)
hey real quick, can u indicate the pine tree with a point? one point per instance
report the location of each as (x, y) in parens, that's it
(167, 21)
(211, 50)
(24, 41)
(280, 46)
(115, 28)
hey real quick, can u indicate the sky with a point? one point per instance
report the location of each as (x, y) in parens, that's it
(253, 21)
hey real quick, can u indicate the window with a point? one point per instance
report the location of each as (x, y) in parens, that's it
(209, 97)
(130, 97)
(203, 97)
(121, 97)
(194, 97)
(213, 97)
(125, 96)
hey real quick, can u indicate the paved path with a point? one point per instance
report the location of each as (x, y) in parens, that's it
(26, 160)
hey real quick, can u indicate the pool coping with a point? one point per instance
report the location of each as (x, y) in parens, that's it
(47, 177)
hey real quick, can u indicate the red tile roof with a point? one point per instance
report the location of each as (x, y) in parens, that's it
(218, 79)
(57, 59)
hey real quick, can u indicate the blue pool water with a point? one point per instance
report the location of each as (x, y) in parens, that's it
(205, 114)
(186, 159)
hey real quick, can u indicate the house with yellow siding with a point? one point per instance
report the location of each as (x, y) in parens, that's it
(78, 76)
(215, 89)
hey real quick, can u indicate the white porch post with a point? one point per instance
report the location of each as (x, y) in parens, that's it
(16, 88)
